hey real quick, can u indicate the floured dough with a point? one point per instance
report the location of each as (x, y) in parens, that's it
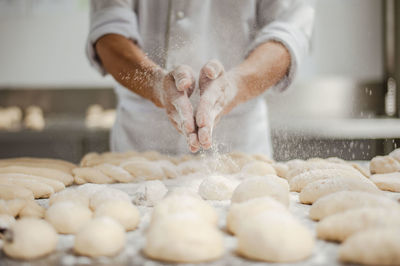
(181, 203)
(70, 194)
(56, 185)
(39, 189)
(345, 200)
(107, 194)
(102, 236)
(378, 246)
(274, 236)
(84, 175)
(40, 163)
(383, 165)
(298, 182)
(217, 187)
(395, 154)
(299, 167)
(31, 209)
(240, 212)
(258, 168)
(183, 237)
(148, 193)
(143, 170)
(340, 226)
(389, 182)
(30, 238)
(122, 211)
(260, 187)
(191, 166)
(67, 217)
(11, 207)
(320, 188)
(115, 172)
(281, 169)
(9, 192)
(170, 170)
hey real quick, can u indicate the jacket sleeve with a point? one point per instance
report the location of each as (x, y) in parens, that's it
(289, 22)
(110, 16)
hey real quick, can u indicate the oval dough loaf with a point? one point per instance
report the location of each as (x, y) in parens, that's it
(183, 238)
(389, 182)
(84, 175)
(148, 193)
(30, 238)
(282, 170)
(260, 187)
(170, 170)
(122, 211)
(301, 167)
(372, 247)
(143, 170)
(274, 236)
(11, 207)
(240, 212)
(340, 226)
(317, 189)
(56, 185)
(68, 217)
(298, 182)
(115, 172)
(258, 168)
(217, 187)
(102, 236)
(49, 173)
(39, 189)
(345, 200)
(176, 204)
(383, 165)
(9, 192)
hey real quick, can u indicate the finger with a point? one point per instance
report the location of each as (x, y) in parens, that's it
(184, 78)
(193, 142)
(212, 69)
(205, 137)
(184, 108)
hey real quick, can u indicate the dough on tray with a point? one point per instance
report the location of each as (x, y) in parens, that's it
(30, 238)
(340, 226)
(301, 167)
(317, 189)
(40, 163)
(115, 172)
(148, 193)
(345, 200)
(56, 185)
(383, 165)
(9, 192)
(39, 189)
(121, 211)
(260, 187)
(12, 207)
(107, 194)
(67, 217)
(258, 168)
(389, 182)
(378, 246)
(274, 236)
(31, 209)
(102, 236)
(143, 170)
(70, 194)
(217, 187)
(183, 237)
(240, 212)
(84, 175)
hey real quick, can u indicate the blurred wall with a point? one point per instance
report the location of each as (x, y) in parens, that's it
(42, 43)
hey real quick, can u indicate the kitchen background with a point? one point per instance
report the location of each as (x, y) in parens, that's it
(342, 103)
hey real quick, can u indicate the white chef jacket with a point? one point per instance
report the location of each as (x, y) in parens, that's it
(191, 32)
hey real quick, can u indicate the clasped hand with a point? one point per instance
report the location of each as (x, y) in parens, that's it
(217, 92)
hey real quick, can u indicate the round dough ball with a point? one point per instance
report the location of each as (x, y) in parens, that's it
(188, 204)
(70, 195)
(122, 211)
(30, 238)
(258, 168)
(183, 238)
(217, 187)
(260, 187)
(240, 212)
(102, 236)
(378, 246)
(183, 191)
(383, 165)
(274, 236)
(107, 194)
(68, 217)
(148, 193)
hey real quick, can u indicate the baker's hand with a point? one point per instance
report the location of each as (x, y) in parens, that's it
(217, 93)
(174, 92)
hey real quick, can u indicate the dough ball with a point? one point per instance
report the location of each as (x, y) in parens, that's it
(217, 187)
(183, 238)
(31, 209)
(70, 195)
(274, 236)
(389, 182)
(298, 182)
(107, 194)
(122, 211)
(240, 212)
(68, 217)
(148, 193)
(90, 189)
(383, 165)
(281, 169)
(260, 187)
(102, 236)
(143, 170)
(378, 246)
(345, 200)
(340, 226)
(30, 238)
(188, 204)
(258, 168)
(317, 189)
